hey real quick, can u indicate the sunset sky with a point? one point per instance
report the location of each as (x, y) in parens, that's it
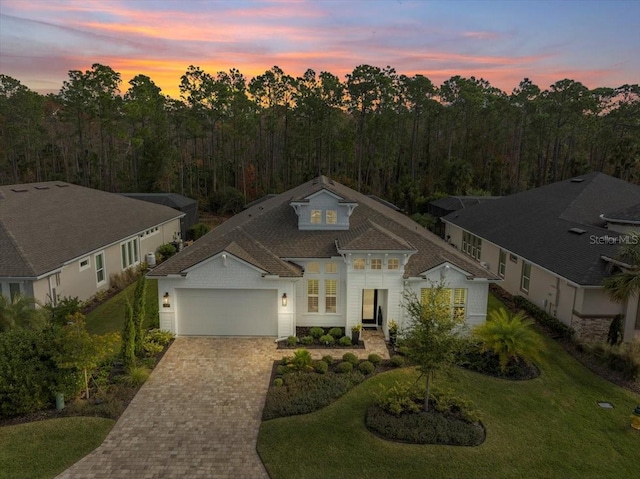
(594, 42)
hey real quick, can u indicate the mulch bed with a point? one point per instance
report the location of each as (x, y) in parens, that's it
(302, 331)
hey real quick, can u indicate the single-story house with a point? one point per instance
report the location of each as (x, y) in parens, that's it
(554, 245)
(320, 254)
(185, 205)
(448, 204)
(59, 239)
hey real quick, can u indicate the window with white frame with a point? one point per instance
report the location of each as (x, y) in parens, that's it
(330, 295)
(502, 263)
(14, 290)
(330, 268)
(331, 217)
(313, 294)
(393, 264)
(312, 267)
(376, 263)
(101, 276)
(526, 276)
(456, 298)
(85, 263)
(316, 217)
(130, 253)
(359, 263)
(471, 245)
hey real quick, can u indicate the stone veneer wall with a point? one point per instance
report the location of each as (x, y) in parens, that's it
(591, 329)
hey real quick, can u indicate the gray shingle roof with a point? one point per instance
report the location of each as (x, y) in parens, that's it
(535, 224)
(43, 225)
(268, 232)
(630, 215)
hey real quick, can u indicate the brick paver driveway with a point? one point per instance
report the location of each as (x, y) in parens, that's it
(197, 416)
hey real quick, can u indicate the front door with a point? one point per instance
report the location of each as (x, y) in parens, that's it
(369, 306)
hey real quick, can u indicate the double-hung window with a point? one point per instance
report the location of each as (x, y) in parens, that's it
(322, 287)
(101, 276)
(316, 217)
(526, 276)
(313, 294)
(330, 295)
(454, 299)
(502, 263)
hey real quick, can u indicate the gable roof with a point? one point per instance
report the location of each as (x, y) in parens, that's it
(44, 225)
(536, 224)
(629, 215)
(174, 200)
(269, 232)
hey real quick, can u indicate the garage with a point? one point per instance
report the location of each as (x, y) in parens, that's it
(227, 312)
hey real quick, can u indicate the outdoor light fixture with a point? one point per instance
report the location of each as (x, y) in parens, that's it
(284, 299)
(165, 301)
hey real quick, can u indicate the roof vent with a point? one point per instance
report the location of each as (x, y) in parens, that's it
(577, 231)
(577, 180)
(41, 187)
(19, 190)
(61, 186)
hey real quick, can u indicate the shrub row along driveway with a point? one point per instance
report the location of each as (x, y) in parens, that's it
(197, 416)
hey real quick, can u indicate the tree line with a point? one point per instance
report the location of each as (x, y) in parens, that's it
(228, 140)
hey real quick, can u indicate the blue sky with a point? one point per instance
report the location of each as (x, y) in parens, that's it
(595, 42)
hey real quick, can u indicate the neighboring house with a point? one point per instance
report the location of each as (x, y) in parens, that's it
(320, 254)
(178, 202)
(444, 206)
(554, 245)
(58, 239)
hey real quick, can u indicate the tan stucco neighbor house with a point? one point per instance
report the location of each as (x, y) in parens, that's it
(320, 254)
(554, 245)
(58, 239)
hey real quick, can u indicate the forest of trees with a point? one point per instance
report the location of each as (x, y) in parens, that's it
(229, 140)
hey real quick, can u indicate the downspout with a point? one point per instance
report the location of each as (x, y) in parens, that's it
(573, 306)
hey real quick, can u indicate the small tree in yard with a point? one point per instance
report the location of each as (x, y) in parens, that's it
(139, 314)
(128, 348)
(80, 350)
(434, 336)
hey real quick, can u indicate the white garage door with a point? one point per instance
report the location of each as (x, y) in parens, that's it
(227, 312)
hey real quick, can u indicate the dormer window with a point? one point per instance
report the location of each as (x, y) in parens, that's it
(332, 217)
(323, 210)
(316, 217)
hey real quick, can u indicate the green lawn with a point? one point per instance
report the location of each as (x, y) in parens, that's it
(543, 428)
(493, 303)
(43, 449)
(109, 316)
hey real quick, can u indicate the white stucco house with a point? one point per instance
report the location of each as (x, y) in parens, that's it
(59, 239)
(320, 254)
(555, 244)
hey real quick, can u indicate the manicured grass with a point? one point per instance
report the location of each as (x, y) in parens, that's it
(109, 316)
(547, 427)
(43, 449)
(493, 303)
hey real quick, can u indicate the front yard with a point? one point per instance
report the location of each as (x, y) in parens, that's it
(546, 427)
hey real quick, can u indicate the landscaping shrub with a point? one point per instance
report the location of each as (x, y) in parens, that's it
(553, 324)
(65, 307)
(197, 231)
(301, 360)
(135, 376)
(281, 370)
(488, 363)
(159, 336)
(305, 393)
(328, 359)
(29, 376)
(306, 340)
(350, 358)
(165, 251)
(397, 361)
(344, 341)
(624, 358)
(316, 332)
(616, 330)
(424, 428)
(151, 348)
(366, 367)
(336, 332)
(398, 399)
(374, 358)
(327, 340)
(320, 367)
(278, 382)
(292, 340)
(344, 367)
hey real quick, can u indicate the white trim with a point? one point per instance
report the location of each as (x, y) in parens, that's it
(444, 265)
(217, 255)
(104, 269)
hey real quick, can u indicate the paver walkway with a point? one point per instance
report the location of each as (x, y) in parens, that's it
(199, 413)
(197, 416)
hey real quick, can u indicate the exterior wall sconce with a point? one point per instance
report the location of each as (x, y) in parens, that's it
(284, 299)
(165, 301)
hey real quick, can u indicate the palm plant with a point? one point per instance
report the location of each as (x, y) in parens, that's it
(20, 312)
(625, 282)
(510, 337)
